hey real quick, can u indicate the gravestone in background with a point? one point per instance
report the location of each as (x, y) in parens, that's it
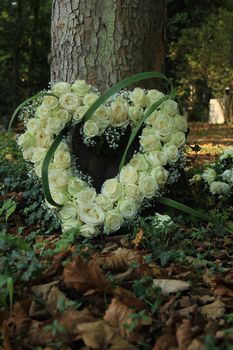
(216, 111)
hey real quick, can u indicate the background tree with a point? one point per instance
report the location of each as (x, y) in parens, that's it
(106, 41)
(24, 46)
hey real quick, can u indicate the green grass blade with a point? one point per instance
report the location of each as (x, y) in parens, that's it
(138, 126)
(121, 85)
(24, 103)
(45, 169)
(185, 208)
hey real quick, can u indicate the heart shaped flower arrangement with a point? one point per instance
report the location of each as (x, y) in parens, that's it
(153, 121)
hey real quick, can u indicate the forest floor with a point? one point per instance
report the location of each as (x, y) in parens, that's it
(159, 288)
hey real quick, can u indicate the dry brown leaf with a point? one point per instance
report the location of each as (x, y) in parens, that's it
(50, 294)
(117, 315)
(19, 322)
(84, 275)
(171, 285)
(138, 238)
(5, 337)
(119, 260)
(56, 264)
(99, 335)
(127, 298)
(196, 345)
(165, 341)
(184, 334)
(38, 336)
(69, 319)
(214, 310)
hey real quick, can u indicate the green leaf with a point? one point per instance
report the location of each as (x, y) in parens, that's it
(121, 85)
(45, 167)
(138, 126)
(24, 103)
(177, 205)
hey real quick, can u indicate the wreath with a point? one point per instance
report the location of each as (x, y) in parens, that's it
(103, 120)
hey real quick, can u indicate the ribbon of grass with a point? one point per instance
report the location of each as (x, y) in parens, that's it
(24, 103)
(45, 168)
(179, 206)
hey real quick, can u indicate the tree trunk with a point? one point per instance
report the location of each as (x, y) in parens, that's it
(105, 41)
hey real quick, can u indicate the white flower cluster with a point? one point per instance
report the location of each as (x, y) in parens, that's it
(219, 177)
(163, 135)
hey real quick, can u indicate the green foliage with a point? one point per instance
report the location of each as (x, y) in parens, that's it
(24, 49)
(200, 44)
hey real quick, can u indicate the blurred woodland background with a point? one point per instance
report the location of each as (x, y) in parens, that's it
(199, 51)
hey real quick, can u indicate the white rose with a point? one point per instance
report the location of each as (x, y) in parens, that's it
(75, 185)
(63, 115)
(62, 159)
(70, 102)
(138, 97)
(70, 224)
(160, 174)
(38, 154)
(58, 179)
(227, 176)
(44, 138)
(28, 153)
(150, 142)
(86, 195)
(169, 107)
(26, 140)
(127, 208)
(139, 162)
(80, 87)
(61, 88)
(104, 202)
(209, 175)
(153, 96)
(147, 185)
(42, 112)
(171, 152)
(90, 98)
(218, 187)
(180, 123)
(162, 221)
(152, 118)
(135, 113)
(132, 191)
(102, 117)
(128, 174)
(54, 125)
(88, 230)
(228, 152)
(50, 102)
(178, 139)
(63, 147)
(113, 220)
(112, 189)
(90, 128)
(59, 197)
(33, 125)
(79, 113)
(91, 214)
(156, 158)
(68, 211)
(149, 131)
(119, 110)
(165, 125)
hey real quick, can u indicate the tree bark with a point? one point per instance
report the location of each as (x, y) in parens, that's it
(105, 41)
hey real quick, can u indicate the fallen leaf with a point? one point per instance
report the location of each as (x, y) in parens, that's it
(99, 335)
(5, 337)
(214, 310)
(184, 334)
(70, 319)
(171, 285)
(56, 264)
(19, 322)
(118, 260)
(84, 275)
(138, 238)
(196, 345)
(127, 298)
(51, 295)
(165, 341)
